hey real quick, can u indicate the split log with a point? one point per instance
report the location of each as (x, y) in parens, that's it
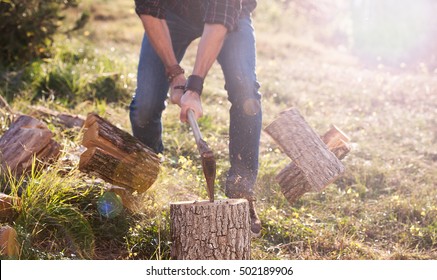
(27, 137)
(308, 152)
(337, 142)
(116, 156)
(293, 182)
(203, 230)
(8, 206)
(9, 245)
(128, 172)
(62, 119)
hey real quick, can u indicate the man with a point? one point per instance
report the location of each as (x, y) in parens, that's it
(227, 35)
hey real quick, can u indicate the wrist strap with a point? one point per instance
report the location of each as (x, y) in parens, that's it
(194, 83)
(174, 71)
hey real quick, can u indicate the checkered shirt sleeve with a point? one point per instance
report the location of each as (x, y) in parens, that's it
(224, 12)
(150, 7)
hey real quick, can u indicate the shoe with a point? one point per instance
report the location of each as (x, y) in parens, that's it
(255, 222)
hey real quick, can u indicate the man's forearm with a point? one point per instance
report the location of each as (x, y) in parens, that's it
(159, 36)
(209, 47)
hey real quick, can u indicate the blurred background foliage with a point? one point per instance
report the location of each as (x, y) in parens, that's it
(390, 33)
(27, 28)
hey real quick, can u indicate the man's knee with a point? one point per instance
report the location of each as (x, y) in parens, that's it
(143, 114)
(244, 94)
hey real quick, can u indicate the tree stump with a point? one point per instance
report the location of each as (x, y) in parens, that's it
(116, 156)
(27, 137)
(203, 230)
(293, 182)
(308, 152)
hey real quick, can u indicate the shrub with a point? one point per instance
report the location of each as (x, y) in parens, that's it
(59, 83)
(74, 75)
(27, 28)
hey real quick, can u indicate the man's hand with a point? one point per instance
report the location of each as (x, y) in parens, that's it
(190, 100)
(177, 89)
(209, 47)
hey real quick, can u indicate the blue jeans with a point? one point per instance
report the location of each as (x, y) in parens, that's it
(237, 59)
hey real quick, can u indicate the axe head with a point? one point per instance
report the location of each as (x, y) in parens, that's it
(208, 166)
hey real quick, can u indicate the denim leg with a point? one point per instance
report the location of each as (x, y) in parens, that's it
(148, 102)
(149, 99)
(238, 61)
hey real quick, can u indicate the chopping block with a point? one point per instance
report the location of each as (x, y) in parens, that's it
(205, 230)
(315, 160)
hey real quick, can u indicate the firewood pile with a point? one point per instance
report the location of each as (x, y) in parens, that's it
(109, 153)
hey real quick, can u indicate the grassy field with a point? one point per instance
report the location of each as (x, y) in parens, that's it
(384, 207)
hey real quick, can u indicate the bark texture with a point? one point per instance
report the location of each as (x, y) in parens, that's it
(204, 230)
(293, 182)
(27, 137)
(116, 156)
(299, 141)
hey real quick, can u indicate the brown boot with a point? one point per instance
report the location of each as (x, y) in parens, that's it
(255, 222)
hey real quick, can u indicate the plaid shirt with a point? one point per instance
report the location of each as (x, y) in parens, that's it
(224, 12)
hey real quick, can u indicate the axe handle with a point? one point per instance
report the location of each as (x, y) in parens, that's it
(194, 126)
(208, 160)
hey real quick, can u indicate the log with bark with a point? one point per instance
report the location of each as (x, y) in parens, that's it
(203, 230)
(62, 119)
(293, 182)
(25, 139)
(301, 143)
(116, 156)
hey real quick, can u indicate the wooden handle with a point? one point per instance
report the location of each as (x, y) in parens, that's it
(193, 123)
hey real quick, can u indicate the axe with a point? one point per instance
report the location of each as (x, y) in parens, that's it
(206, 154)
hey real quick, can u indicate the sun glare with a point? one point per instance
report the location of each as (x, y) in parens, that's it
(393, 30)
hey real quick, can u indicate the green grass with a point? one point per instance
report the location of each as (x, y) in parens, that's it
(50, 216)
(383, 207)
